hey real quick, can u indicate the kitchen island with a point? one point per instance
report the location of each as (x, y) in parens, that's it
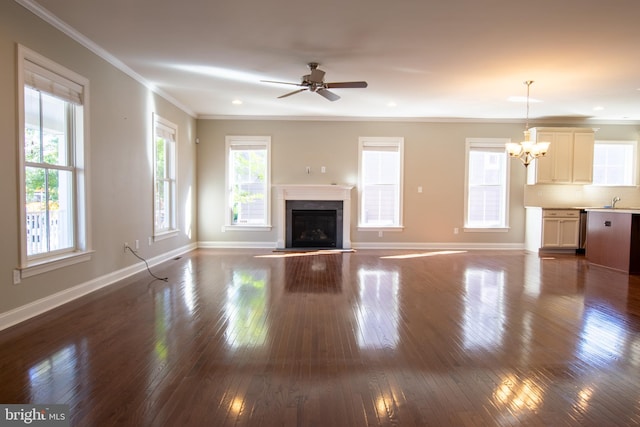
(613, 239)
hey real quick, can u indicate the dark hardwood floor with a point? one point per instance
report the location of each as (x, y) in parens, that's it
(389, 338)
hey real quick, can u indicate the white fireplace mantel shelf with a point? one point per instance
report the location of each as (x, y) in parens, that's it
(286, 192)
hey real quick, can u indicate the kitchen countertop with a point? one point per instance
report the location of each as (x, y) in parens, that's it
(622, 209)
(633, 210)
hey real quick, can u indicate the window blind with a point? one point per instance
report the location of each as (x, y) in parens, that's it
(54, 84)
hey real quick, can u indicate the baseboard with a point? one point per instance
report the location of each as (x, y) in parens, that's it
(35, 308)
(439, 246)
(377, 245)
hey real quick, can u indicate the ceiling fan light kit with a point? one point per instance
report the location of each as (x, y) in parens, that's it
(527, 150)
(314, 82)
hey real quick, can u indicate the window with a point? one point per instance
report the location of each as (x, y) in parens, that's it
(164, 195)
(52, 117)
(248, 181)
(380, 173)
(486, 184)
(614, 163)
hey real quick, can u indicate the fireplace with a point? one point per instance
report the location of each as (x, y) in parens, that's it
(313, 224)
(314, 197)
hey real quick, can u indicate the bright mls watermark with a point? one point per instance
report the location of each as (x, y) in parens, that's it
(34, 415)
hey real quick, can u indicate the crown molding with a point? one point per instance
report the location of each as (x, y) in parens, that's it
(71, 32)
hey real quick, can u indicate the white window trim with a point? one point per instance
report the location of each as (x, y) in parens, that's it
(634, 171)
(231, 141)
(382, 141)
(82, 219)
(489, 143)
(173, 228)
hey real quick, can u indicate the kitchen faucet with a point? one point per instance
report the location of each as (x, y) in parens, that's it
(615, 200)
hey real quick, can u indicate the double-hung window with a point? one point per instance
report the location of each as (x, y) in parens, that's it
(614, 163)
(53, 153)
(486, 206)
(164, 196)
(248, 181)
(380, 187)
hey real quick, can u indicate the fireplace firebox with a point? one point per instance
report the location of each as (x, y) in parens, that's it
(314, 224)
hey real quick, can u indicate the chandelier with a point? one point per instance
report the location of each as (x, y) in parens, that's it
(527, 150)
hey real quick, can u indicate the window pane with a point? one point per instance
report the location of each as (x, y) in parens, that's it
(60, 184)
(486, 187)
(160, 159)
(161, 198)
(613, 164)
(49, 210)
(36, 210)
(32, 149)
(380, 204)
(248, 186)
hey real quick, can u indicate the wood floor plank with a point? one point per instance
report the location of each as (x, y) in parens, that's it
(368, 338)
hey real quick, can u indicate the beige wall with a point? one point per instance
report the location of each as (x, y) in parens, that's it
(434, 159)
(120, 170)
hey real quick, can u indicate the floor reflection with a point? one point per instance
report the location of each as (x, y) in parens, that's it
(603, 337)
(246, 309)
(518, 394)
(484, 316)
(316, 273)
(51, 379)
(377, 310)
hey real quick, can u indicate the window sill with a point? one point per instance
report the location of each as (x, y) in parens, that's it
(247, 228)
(49, 264)
(486, 230)
(380, 228)
(165, 235)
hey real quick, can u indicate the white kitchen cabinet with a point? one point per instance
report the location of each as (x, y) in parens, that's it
(569, 159)
(552, 229)
(560, 228)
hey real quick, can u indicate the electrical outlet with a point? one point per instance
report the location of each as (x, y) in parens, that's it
(16, 276)
(137, 244)
(456, 230)
(125, 247)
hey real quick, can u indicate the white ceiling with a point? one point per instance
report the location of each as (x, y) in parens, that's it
(458, 59)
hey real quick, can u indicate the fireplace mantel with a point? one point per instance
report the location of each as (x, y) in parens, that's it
(286, 192)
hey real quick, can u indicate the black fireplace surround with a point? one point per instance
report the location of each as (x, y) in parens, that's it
(313, 224)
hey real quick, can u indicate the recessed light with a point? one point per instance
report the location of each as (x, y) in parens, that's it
(236, 102)
(598, 108)
(392, 104)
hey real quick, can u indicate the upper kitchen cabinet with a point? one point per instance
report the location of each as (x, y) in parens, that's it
(569, 159)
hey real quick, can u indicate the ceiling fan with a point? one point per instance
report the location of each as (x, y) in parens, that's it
(314, 82)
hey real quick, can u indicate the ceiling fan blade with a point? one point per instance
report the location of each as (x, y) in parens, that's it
(292, 93)
(327, 94)
(345, 85)
(282, 83)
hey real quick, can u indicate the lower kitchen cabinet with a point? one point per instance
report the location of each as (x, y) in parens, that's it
(560, 233)
(552, 229)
